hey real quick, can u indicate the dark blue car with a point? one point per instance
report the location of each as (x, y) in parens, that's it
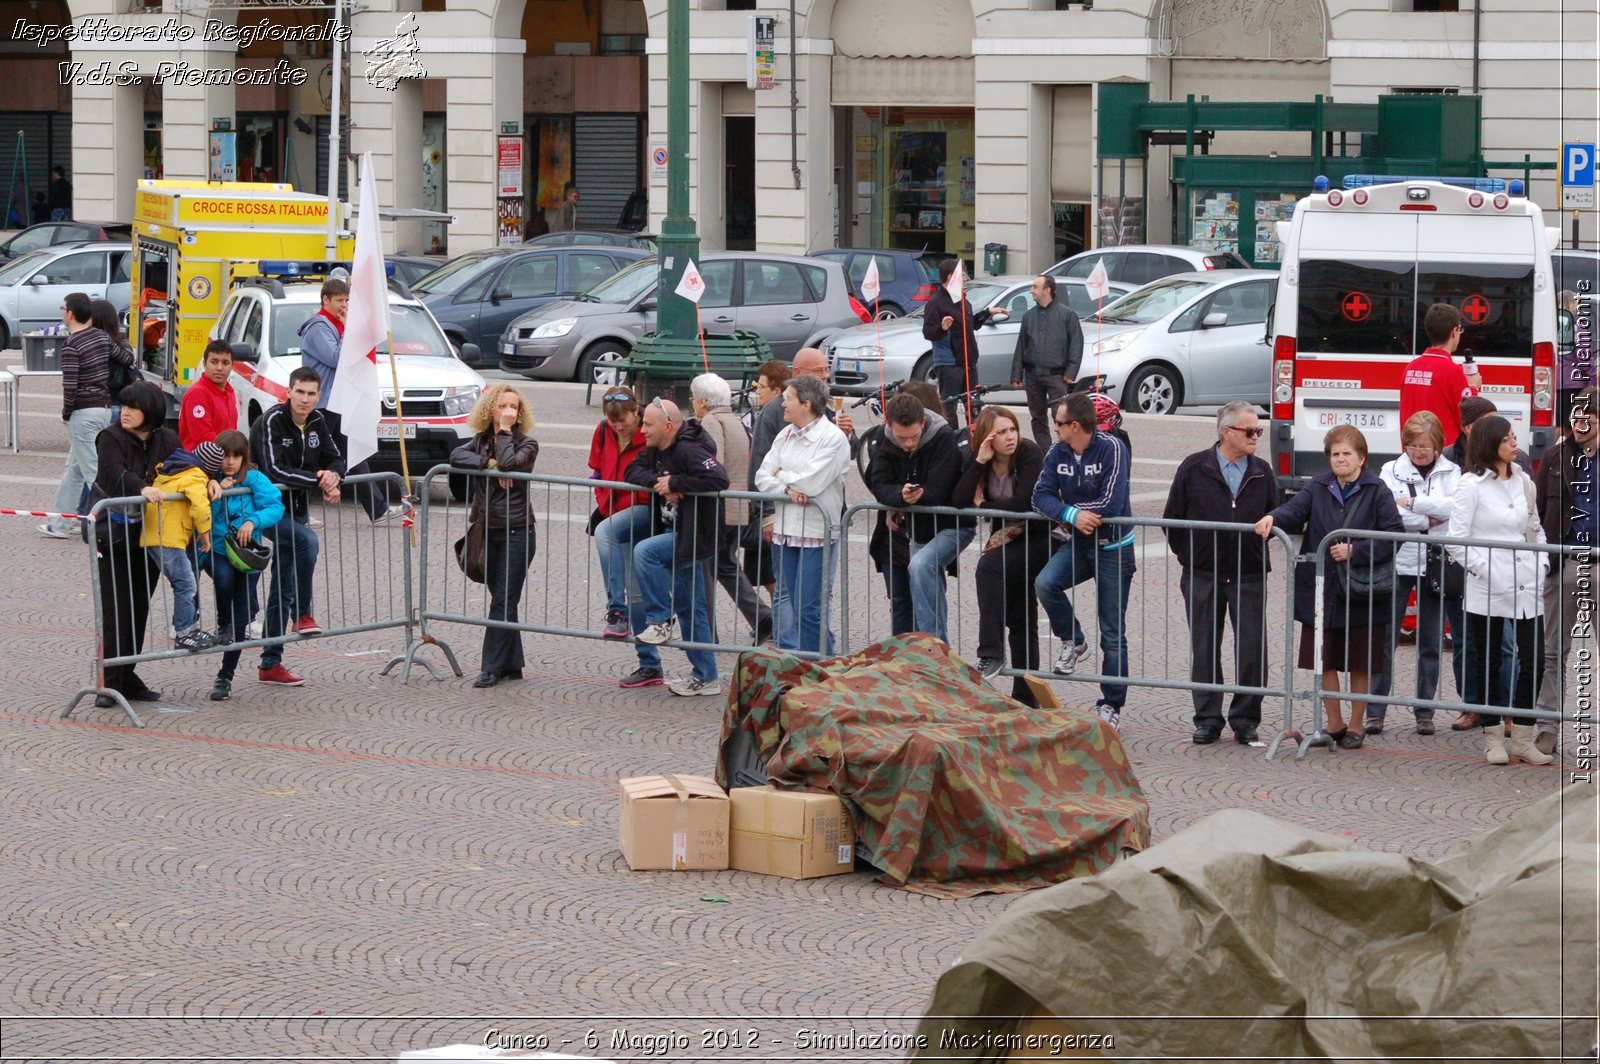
(905, 278)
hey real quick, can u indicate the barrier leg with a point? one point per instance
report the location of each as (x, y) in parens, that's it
(411, 656)
(115, 696)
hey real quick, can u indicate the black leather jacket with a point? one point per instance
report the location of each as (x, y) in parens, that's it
(511, 452)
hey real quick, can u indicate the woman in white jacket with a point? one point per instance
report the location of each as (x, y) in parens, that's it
(1423, 483)
(807, 463)
(1495, 501)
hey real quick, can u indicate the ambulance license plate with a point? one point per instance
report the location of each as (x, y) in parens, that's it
(392, 431)
(1361, 419)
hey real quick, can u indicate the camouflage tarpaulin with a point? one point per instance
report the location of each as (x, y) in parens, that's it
(1263, 940)
(955, 789)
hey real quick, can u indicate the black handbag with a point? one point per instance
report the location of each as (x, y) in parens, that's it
(1372, 580)
(470, 550)
(1445, 578)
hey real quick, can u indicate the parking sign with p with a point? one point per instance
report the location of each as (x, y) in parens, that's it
(1577, 176)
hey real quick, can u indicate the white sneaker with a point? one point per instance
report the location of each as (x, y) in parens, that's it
(396, 512)
(688, 686)
(313, 522)
(1066, 661)
(656, 634)
(1110, 714)
(254, 629)
(53, 532)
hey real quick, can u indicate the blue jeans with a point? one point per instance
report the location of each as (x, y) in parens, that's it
(676, 588)
(926, 577)
(614, 539)
(236, 603)
(179, 571)
(294, 564)
(83, 461)
(1432, 611)
(800, 609)
(1112, 572)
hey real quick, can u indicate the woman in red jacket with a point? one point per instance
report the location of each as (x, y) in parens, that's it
(621, 518)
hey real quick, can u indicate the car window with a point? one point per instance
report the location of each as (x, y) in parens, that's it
(1153, 303)
(43, 236)
(456, 274)
(231, 321)
(858, 268)
(87, 267)
(1020, 302)
(626, 284)
(1141, 267)
(588, 268)
(252, 325)
(122, 272)
(536, 275)
(1578, 274)
(1245, 304)
(1085, 266)
(1227, 260)
(833, 256)
(819, 281)
(589, 238)
(772, 283)
(718, 277)
(1171, 264)
(1079, 301)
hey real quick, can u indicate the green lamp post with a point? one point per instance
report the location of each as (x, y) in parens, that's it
(675, 315)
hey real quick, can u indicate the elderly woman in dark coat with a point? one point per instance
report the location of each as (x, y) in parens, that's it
(1354, 627)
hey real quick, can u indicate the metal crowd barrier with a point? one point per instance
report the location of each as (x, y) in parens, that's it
(1158, 635)
(563, 592)
(361, 582)
(1575, 624)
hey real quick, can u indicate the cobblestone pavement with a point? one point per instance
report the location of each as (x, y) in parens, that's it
(314, 873)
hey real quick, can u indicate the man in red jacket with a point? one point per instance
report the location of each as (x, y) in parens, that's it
(209, 406)
(1433, 381)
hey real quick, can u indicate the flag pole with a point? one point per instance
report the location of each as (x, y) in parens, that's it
(400, 430)
(700, 332)
(877, 329)
(966, 359)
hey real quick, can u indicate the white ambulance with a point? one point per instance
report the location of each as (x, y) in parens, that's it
(1361, 266)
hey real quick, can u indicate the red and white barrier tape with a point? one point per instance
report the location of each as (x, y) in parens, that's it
(44, 513)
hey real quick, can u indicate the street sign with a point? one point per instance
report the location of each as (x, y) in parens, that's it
(1577, 176)
(761, 56)
(658, 158)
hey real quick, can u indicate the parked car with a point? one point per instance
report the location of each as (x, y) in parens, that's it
(262, 320)
(413, 268)
(793, 302)
(1192, 338)
(33, 285)
(905, 278)
(617, 238)
(476, 295)
(49, 234)
(1139, 264)
(1574, 269)
(862, 357)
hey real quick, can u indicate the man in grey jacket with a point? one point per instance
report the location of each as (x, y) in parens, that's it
(1049, 351)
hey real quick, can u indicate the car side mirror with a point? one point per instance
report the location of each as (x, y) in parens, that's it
(244, 353)
(647, 307)
(471, 352)
(499, 294)
(1216, 319)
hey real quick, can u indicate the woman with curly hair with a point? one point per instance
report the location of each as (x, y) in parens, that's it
(502, 422)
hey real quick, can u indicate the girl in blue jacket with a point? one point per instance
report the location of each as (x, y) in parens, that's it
(244, 516)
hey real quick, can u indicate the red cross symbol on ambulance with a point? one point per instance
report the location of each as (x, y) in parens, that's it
(1356, 306)
(1475, 310)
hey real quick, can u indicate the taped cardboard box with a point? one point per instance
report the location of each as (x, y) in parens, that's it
(794, 834)
(673, 823)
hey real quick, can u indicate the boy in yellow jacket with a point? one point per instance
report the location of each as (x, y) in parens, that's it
(171, 528)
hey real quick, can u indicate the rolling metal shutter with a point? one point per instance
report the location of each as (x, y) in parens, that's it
(322, 157)
(606, 166)
(47, 140)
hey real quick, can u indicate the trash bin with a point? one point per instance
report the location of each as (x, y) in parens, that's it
(994, 258)
(41, 353)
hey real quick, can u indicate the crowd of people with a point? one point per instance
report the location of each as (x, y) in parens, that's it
(1051, 523)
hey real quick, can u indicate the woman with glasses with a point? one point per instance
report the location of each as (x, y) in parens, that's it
(621, 518)
(1495, 500)
(1423, 483)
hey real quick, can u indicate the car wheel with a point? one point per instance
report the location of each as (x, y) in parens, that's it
(458, 487)
(595, 365)
(923, 370)
(889, 311)
(1153, 389)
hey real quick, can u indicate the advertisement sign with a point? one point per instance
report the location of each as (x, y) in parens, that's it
(510, 220)
(509, 154)
(220, 160)
(761, 56)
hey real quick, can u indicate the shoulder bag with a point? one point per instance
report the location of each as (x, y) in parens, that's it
(1445, 579)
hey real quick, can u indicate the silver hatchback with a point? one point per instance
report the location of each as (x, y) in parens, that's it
(792, 302)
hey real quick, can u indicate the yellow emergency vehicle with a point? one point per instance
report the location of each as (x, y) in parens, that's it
(192, 240)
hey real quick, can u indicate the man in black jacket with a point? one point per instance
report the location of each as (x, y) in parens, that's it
(918, 465)
(678, 464)
(1049, 352)
(1225, 572)
(294, 446)
(952, 327)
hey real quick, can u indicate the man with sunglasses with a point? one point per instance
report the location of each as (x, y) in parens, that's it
(1225, 573)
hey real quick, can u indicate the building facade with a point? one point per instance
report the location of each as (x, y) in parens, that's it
(938, 125)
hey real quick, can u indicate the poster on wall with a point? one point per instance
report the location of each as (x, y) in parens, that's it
(221, 159)
(510, 220)
(509, 155)
(555, 161)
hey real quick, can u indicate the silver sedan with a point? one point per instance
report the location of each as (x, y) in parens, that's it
(867, 355)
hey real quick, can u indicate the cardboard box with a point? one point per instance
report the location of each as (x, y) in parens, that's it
(1043, 693)
(794, 834)
(673, 823)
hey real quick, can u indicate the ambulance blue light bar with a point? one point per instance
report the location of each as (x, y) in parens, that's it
(308, 268)
(1479, 184)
